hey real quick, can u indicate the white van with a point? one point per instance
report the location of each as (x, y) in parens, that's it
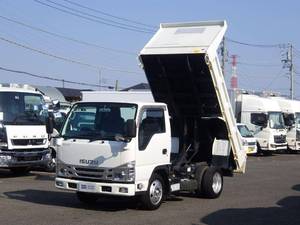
(248, 140)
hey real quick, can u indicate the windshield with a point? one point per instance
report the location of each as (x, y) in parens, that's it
(244, 131)
(98, 120)
(297, 120)
(276, 120)
(21, 108)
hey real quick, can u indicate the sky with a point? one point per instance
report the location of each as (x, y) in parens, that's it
(115, 57)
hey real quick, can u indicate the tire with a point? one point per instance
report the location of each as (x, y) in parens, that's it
(155, 194)
(50, 167)
(199, 175)
(212, 183)
(87, 198)
(20, 170)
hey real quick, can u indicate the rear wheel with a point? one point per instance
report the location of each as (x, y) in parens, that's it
(155, 193)
(87, 198)
(199, 177)
(212, 183)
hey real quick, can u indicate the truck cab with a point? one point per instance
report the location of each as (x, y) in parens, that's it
(264, 118)
(23, 138)
(291, 114)
(186, 140)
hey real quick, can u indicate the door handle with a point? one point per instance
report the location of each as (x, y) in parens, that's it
(164, 151)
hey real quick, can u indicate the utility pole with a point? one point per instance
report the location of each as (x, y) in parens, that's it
(117, 85)
(289, 64)
(63, 83)
(292, 90)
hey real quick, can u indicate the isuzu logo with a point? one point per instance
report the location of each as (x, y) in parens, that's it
(88, 161)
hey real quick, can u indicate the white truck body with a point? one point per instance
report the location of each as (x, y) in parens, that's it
(272, 135)
(24, 141)
(291, 107)
(191, 115)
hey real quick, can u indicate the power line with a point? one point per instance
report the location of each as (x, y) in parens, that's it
(53, 79)
(259, 65)
(91, 19)
(66, 37)
(97, 17)
(254, 45)
(110, 15)
(274, 79)
(97, 67)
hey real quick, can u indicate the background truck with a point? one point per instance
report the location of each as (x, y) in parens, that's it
(23, 137)
(291, 114)
(186, 142)
(264, 118)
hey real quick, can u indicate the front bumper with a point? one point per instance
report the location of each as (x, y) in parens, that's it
(276, 146)
(15, 158)
(120, 189)
(251, 149)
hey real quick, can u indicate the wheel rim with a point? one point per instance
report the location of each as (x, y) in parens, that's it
(217, 183)
(156, 192)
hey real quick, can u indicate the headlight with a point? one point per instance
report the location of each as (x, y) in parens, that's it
(124, 172)
(3, 137)
(62, 170)
(244, 142)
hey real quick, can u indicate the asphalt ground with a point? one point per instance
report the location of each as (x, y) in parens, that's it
(268, 194)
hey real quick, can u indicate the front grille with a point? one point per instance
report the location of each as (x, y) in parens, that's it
(252, 143)
(279, 138)
(297, 135)
(28, 158)
(24, 142)
(26, 150)
(92, 173)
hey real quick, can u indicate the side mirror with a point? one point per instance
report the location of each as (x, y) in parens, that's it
(130, 128)
(56, 104)
(49, 125)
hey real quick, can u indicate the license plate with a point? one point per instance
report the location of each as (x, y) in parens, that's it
(87, 187)
(250, 149)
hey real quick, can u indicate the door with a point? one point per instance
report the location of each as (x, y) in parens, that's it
(154, 141)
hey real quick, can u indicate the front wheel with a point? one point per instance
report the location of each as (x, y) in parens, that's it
(155, 193)
(212, 183)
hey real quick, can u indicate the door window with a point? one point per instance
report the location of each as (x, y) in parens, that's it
(152, 122)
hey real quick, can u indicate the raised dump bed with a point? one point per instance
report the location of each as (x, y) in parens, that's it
(183, 71)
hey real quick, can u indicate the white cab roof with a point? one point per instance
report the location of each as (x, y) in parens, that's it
(257, 103)
(118, 96)
(288, 105)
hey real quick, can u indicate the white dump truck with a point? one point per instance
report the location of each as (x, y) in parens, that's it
(291, 114)
(23, 138)
(264, 118)
(186, 140)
